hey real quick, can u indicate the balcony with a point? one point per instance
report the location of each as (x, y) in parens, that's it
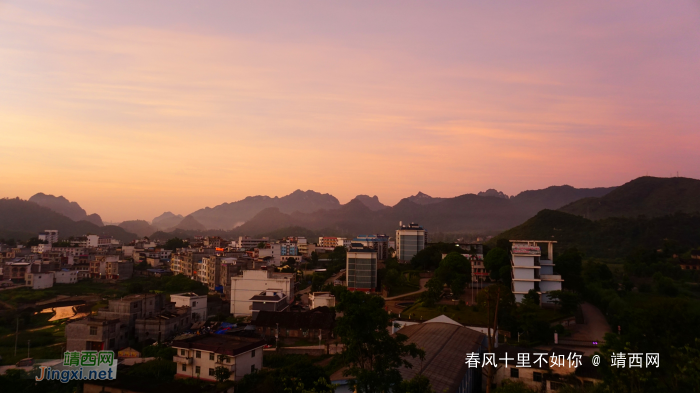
(182, 359)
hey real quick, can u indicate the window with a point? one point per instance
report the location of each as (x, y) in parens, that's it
(182, 352)
(211, 372)
(198, 354)
(93, 330)
(514, 373)
(252, 353)
(537, 377)
(197, 370)
(184, 367)
(211, 356)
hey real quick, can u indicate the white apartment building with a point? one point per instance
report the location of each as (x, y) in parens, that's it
(252, 282)
(208, 271)
(198, 304)
(274, 252)
(199, 356)
(248, 243)
(41, 248)
(39, 280)
(49, 235)
(531, 271)
(410, 239)
(66, 277)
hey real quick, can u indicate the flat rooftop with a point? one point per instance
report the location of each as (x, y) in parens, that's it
(220, 343)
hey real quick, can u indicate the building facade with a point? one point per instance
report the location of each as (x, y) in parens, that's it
(361, 269)
(199, 356)
(531, 271)
(251, 282)
(410, 239)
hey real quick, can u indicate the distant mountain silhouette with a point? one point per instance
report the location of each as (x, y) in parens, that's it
(28, 219)
(644, 196)
(189, 223)
(467, 213)
(139, 227)
(63, 206)
(424, 199)
(555, 197)
(493, 193)
(166, 220)
(231, 215)
(372, 202)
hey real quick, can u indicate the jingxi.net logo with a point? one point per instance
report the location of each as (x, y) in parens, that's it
(83, 365)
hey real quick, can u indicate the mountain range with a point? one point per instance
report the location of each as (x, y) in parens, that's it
(61, 205)
(487, 212)
(21, 220)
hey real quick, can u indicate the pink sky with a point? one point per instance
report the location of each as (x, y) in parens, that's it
(132, 109)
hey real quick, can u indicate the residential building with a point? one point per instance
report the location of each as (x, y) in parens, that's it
(248, 243)
(252, 282)
(316, 324)
(445, 343)
(66, 276)
(361, 269)
(164, 325)
(199, 356)
(321, 299)
(273, 300)
(96, 334)
(49, 235)
(198, 304)
(208, 271)
(379, 243)
(119, 269)
(39, 280)
(16, 269)
(41, 248)
(302, 246)
(530, 270)
(333, 242)
(410, 239)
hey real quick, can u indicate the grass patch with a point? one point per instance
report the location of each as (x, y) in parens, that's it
(403, 289)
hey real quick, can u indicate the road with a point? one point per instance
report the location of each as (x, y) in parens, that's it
(422, 289)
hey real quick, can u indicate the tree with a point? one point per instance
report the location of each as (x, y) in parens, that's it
(454, 271)
(569, 264)
(567, 300)
(532, 297)
(490, 297)
(495, 260)
(314, 258)
(35, 242)
(261, 245)
(374, 356)
(222, 373)
(175, 243)
(418, 384)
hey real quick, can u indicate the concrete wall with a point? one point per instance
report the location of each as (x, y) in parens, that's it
(524, 274)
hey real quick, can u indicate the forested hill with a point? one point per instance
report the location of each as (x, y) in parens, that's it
(613, 237)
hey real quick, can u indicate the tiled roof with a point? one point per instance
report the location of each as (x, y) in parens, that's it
(318, 318)
(445, 345)
(220, 343)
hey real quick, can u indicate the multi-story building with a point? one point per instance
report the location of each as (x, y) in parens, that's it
(288, 249)
(66, 276)
(249, 243)
(197, 303)
(379, 243)
(361, 269)
(119, 269)
(410, 239)
(49, 235)
(531, 271)
(208, 271)
(39, 280)
(164, 325)
(16, 269)
(96, 333)
(252, 282)
(269, 300)
(199, 356)
(333, 242)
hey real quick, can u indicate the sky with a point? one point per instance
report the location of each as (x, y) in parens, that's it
(133, 108)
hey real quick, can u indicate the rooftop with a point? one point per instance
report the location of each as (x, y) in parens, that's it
(223, 344)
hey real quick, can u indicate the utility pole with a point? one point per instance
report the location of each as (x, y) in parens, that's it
(16, 333)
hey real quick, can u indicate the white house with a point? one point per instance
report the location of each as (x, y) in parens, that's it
(66, 277)
(199, 356)
(198, 304)
(252, 282)
(39, 280)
